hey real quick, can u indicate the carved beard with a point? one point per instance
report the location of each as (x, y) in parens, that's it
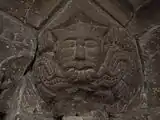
(79, 70)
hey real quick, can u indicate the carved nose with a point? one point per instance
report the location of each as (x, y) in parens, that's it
(80, 53)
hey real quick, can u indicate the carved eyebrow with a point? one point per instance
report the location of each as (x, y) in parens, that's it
(70, 38)
(92, 39)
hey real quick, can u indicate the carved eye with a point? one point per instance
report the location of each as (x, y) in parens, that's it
(68, 43)
(91, 43)
(71, 43)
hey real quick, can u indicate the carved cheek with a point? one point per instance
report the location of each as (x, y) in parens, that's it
(67, 52)
(67, 48)
(93, 52)
(92, 48)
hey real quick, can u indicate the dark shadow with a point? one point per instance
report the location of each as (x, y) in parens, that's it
(2, 115)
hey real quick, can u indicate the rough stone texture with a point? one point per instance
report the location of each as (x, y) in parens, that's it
(145, 26)
(17, 49)
(150, 44)
(79, 60)
(139, 3)
(145, 18)
(34, 12)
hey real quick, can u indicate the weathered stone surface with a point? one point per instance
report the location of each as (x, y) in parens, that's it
(34, 12)
(122, 11)
(139, 3)
(17, 8)
(17, 50)
(146, 27)
(154, 113)
(146, 17)
(150, 43)
(17, 42)
(83, 64)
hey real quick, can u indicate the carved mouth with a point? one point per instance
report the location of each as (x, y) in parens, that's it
(84, 68)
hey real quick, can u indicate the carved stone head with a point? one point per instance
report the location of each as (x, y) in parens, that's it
(79, 50)
(85, 56)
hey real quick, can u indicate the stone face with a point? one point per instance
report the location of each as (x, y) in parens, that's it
(79, 59)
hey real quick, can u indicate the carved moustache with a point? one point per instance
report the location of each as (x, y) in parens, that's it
(78, 75)
(80, 65)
